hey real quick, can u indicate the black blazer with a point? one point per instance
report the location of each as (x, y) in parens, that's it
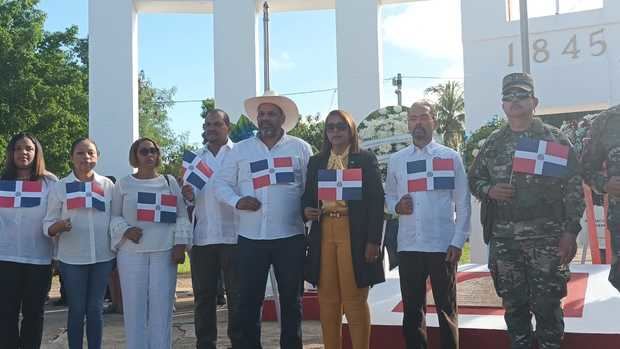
(365, 219)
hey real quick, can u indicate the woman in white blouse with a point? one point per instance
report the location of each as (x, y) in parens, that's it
(78, 216)
(25, 253)
(150, 230)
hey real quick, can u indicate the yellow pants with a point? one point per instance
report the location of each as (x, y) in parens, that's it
(338, 290)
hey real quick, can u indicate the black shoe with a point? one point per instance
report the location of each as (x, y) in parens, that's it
(59, 303)
(221, 300)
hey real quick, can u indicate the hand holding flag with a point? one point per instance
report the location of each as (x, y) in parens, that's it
(538, 157)
(195, 171)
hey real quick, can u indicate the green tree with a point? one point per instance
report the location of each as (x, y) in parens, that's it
(43, 82)
(449, 106)
(477, 139)
(154, 122)
(207, 105)
(310, 129)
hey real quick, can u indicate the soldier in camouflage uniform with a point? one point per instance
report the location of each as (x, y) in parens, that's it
(535, 222)
(604, 148)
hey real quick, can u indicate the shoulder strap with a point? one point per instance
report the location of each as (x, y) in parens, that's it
(167, 181)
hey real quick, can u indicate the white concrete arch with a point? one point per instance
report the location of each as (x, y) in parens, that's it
(113, 59)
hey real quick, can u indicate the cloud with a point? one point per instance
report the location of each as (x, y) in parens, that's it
(281, 62)
(429, 28)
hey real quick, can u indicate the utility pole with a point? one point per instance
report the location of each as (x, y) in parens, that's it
(398, 82)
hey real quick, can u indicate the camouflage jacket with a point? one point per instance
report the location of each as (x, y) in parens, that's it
(601, 159)
(542, 206)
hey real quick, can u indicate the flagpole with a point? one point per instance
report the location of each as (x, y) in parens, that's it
(267, 87)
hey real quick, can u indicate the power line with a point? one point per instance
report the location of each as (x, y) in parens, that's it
(333, 89)
(427, 77)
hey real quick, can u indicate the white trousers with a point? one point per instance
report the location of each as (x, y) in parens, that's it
(148, 282)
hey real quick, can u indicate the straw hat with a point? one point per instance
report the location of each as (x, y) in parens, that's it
(291, 113)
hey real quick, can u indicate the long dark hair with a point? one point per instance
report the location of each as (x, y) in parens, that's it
(37, 169)
(354, 139)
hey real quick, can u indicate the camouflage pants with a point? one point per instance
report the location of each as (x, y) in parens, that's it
(529, 279)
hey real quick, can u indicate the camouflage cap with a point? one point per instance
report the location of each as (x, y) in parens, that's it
(518, 80)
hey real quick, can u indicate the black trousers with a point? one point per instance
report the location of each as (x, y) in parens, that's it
(207, 262)
(414, 269)
(23, 288)
(287, 257)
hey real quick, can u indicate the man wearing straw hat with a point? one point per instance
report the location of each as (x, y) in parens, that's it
(263, 177)
(528, 171)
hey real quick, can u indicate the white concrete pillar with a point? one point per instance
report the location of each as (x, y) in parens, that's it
(235, 46)
(479, 252)
(360, 56)
(113, 82)
(612, 8)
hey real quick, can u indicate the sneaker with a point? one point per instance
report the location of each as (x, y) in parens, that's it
(221, 300)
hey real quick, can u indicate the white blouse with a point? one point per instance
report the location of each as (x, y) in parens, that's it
(155, 236)
(21, 231)
(88, 241)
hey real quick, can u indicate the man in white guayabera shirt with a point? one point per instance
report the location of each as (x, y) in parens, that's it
(426, 185)
(215, 237)
(263, 177)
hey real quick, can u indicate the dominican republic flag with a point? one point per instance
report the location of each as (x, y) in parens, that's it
(540, 157)
(20, 193)
(85, 195)
(430, 174)
(157, 207)
(272, 171)
(340, 184)
(195, 171)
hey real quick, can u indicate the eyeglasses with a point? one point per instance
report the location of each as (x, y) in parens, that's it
(147, 151)
(516, 96)
(340, 126)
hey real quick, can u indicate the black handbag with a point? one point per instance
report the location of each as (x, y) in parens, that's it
(614, 274)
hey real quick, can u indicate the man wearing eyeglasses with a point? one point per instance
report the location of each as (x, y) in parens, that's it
(528, 171)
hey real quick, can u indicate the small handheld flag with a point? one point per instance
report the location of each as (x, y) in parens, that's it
(157, 207)
(340, 184)
(15, 194)
(85, 195)
(272, 171)
(430, 174)
(195, 171)
(540, 157)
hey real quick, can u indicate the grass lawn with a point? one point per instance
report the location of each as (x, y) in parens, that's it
(465, 257)
(184, 268)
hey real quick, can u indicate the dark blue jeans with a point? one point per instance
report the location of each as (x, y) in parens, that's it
(85, 285)
(254, 259)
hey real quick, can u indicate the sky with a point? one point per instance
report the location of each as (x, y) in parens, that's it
(176, 50)
(420, 39)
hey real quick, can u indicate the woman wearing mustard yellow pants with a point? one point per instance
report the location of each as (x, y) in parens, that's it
(344, 257)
